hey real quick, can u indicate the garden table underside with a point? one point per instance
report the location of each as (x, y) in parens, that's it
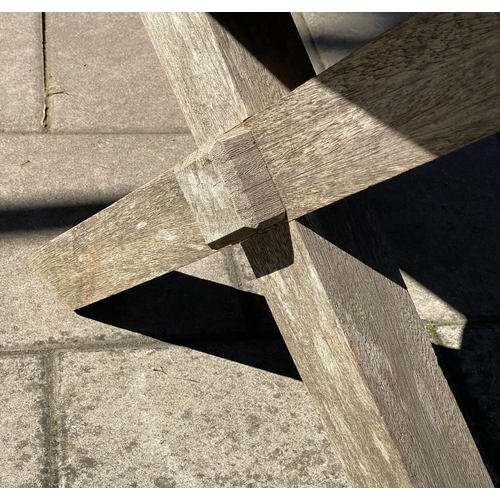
(280, 152)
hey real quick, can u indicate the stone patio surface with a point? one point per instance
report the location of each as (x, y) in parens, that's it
(184, 381)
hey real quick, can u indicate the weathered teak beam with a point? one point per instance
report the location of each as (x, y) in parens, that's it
(422, 90)
(345, 323)
(363, 354)
(398, 102)
(215, 92)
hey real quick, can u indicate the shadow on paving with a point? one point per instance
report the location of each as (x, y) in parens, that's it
(442, 221)
(328, 41)
(473, 374)
(49, 216)
(200, 314)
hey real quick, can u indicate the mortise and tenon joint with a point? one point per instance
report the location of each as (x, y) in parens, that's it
(230, 190)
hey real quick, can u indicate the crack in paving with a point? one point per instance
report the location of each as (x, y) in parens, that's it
(44, 123)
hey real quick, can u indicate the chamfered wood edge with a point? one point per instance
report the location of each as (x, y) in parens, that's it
(230, 191)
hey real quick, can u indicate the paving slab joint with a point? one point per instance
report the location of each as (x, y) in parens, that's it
(46, 77)
(309, 42)
(53, 425)
(149, 343)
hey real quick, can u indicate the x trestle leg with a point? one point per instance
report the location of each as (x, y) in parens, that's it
(335, 292)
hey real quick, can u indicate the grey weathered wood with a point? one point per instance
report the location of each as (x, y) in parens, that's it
(224, 62)
(425, 88)
(115, 250)
(230, 191)
(422, 90)
(359, 345)
(226, 48)
(340, 339)
(319, 145)
(373, 464)
(321, 315)
(145, 234)
(327, 364)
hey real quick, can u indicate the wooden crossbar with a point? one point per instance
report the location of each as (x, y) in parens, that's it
(392, 106)
(424, 89)
(286, 279)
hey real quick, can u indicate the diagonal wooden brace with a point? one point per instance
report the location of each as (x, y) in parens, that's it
(356, 124)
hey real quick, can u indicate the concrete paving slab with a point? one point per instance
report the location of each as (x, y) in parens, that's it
(70, 170)
(181, 418)
(443, 223)
(22, 83)
(51, 183)
(307, 40)
(24, 423)
(450, 336)
(108, 75)
(335, 35)
(31, 317)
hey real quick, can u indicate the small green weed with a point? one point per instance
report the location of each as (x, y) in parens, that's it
(432, 327)
(53, 88)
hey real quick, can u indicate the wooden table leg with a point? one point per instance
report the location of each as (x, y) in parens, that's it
(335, 292)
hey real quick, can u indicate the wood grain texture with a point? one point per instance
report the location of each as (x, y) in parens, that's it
(206, 72)
(345, 342)
(224, 67)
(367, 436)
(319, 146)
(327, 365)
(203, 58)
(422, 90)
(145, 234)
(361, 449)
(425, 88)
(359, 345)
(230, 191)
